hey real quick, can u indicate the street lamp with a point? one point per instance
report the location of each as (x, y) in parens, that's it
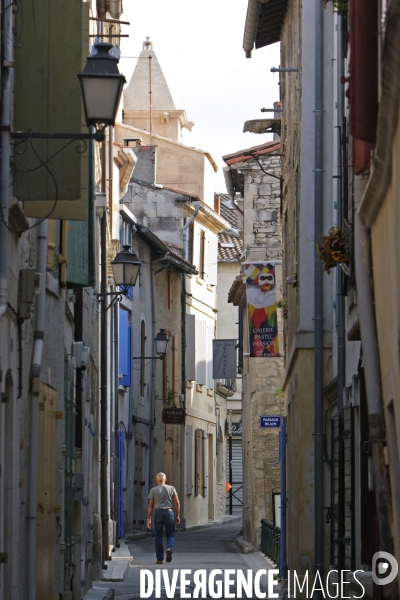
(101, 85)
(126, 267)
(161, 341)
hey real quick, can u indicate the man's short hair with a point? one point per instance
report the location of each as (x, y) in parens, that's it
(161, 477)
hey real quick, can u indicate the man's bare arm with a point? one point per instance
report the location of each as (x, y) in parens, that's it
(177, 509)
(149, 512)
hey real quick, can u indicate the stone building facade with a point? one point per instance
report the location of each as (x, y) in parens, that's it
(254, 173)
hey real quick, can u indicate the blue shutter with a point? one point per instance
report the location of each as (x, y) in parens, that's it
(125, 349)
(121, 455)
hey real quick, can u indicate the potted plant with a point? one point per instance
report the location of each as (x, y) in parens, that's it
(333, 249)
(283, 305)
(339, 6)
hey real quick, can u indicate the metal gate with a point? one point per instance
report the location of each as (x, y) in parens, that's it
(237, 473)
(348, 473)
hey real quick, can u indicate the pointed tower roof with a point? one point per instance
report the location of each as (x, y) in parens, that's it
(136, 95)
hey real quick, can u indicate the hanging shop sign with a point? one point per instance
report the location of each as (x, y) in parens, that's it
(224, 359)
(262, 309)
(173, 415)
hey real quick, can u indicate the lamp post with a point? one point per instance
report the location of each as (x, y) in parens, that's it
(126, 267)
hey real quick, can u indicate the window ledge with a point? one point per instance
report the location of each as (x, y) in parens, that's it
(199, 280)
(210, 392)
(210, 287)
(199, 388)
(189, 383)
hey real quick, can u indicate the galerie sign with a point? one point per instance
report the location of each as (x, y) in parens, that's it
(262, 309)
(224, 359)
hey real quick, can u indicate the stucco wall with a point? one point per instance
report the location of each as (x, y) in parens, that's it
(385, 252)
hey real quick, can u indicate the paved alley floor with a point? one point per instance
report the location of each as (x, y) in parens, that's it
(208, 549)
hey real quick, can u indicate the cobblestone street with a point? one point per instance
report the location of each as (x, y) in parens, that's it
(209, 548)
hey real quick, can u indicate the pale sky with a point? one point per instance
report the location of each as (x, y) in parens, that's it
(199, 48)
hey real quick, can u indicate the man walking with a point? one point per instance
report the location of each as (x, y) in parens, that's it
(162, 499)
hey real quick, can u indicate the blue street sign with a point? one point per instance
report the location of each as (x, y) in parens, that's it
(273, 422)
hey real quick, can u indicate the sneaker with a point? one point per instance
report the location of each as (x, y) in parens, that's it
(169, 555)
(160, 562)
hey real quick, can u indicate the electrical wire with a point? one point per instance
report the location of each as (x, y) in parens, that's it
(43, 164)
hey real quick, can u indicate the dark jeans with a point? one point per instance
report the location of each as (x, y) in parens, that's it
(164, 518)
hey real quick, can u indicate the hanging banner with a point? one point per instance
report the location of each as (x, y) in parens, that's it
(262, 309)
(224, 359)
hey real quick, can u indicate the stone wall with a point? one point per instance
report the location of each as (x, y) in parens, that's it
(262, 377)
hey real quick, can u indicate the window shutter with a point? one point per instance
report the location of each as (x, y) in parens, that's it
(201, 364)
(205, 463)
(210, 337)
(196, 245)
(125, 349)
(196, 462)
(121, 457)
(77, 254)
(189, 459)
(190, 347)
(212, 258)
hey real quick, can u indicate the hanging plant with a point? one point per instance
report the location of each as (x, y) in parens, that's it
(283, 305)
(333, 249)
(339, 6)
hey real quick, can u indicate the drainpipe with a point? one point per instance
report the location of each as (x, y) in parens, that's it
(185, 233)
(250, 28)
(318, 302)
(369, 340)
(5, 183)
(185, 237)
(36, 366)
(103, 375)
(185, 253)
(341, 324)
(153, 370)
(6, 110)
(115, 329)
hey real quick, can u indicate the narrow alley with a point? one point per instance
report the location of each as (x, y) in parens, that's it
(207, 548)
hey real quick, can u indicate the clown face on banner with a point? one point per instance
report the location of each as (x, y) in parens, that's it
(262, 309)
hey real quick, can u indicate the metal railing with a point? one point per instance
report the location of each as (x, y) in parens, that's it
(270, 540)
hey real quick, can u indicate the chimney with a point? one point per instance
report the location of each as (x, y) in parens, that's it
(145, 169)
(217, 204)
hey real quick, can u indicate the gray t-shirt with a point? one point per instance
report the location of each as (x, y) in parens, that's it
(162, 496)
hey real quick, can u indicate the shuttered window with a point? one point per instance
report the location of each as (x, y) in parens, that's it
(205, 462)
(142, 360)
(197, 446)
(201, 352)
(212, 258)
(202, 255)
(210, 337)
(189, 459)
(125, 349)
(190, 347)
(195, 244)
